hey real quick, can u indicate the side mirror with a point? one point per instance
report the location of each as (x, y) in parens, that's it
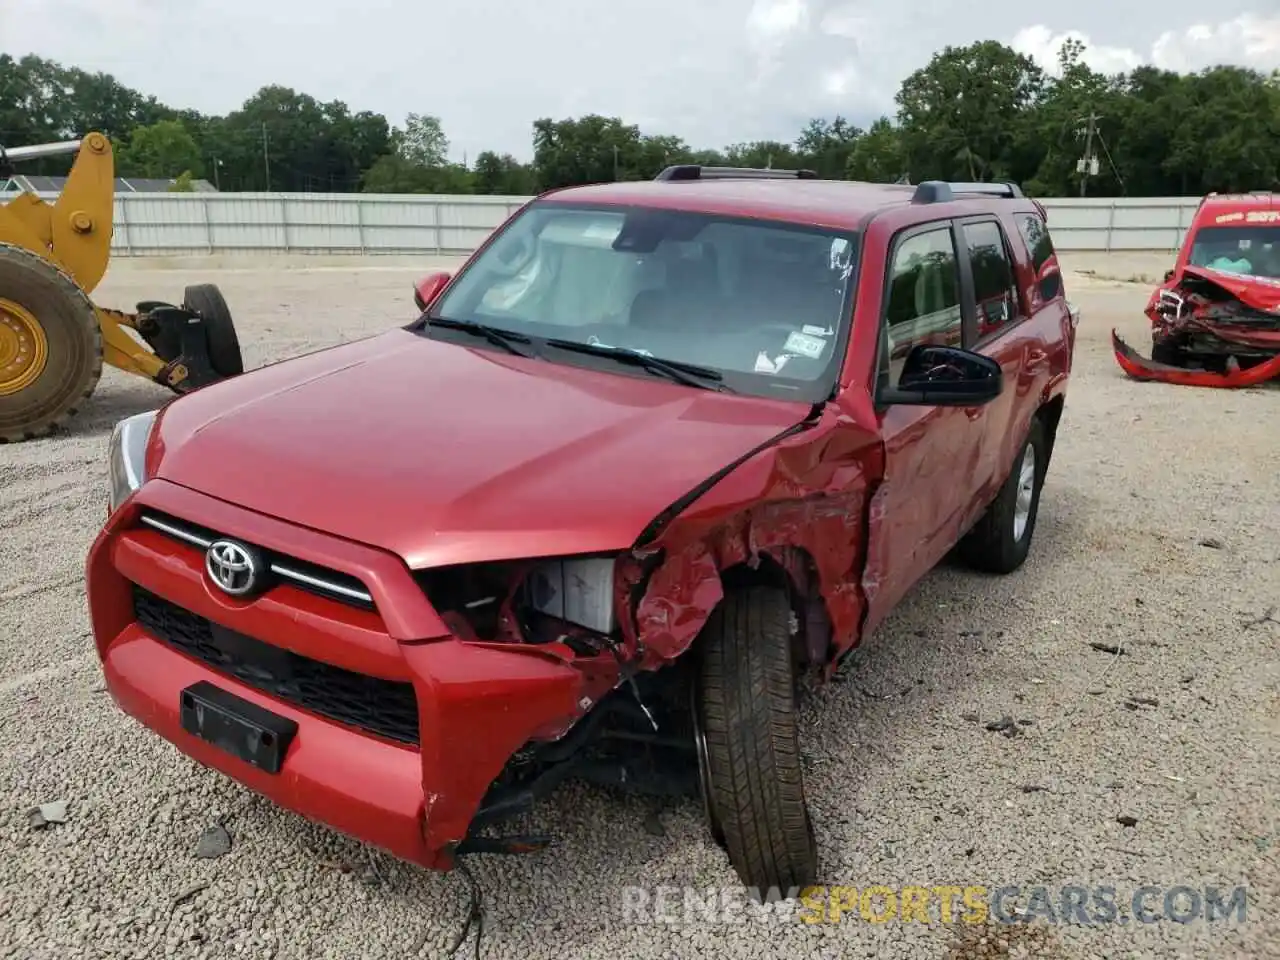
(1168, 275)
(429, 287)
(946, 377)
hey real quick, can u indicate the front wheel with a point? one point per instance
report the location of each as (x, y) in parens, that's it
(745, 716)
(1000, 541)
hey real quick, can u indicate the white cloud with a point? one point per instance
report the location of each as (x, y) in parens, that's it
(714, 71)
(1246, 40)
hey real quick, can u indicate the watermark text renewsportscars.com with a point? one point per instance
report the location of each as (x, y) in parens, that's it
(1088, 906)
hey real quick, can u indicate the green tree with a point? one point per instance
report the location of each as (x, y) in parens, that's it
(422, 141)
(963, 114)
(826, 146)
(163, 149)
(879, 155)
(502, 175)
(763, 153)
(590, 149)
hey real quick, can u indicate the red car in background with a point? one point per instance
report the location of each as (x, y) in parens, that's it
(1215, 320)
(657, 455)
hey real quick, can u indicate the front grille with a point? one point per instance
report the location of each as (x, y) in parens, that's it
(307, 576)
(383, 707)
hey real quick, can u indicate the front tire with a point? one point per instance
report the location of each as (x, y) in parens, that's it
(745, 705)
(1001, 540)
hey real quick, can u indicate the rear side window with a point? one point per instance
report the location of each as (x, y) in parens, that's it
(924, 296)
(995, 293)
(1043, 257)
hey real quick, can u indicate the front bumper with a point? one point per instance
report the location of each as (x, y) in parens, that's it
(1235, 376)
(413, 795)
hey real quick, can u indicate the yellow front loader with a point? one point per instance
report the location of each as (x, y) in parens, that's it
(53, 338)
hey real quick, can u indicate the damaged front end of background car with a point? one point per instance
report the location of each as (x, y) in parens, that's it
(1209, 328)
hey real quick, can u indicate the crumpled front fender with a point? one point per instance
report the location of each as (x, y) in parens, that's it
(1143, 368)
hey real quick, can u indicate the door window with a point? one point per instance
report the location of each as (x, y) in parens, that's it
(924, 296)
(995, 294)
(1043, 257)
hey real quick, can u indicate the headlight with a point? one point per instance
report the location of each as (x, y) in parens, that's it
(126, 456)
(575, 589)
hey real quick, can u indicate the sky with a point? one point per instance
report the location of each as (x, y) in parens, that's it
(715, 72)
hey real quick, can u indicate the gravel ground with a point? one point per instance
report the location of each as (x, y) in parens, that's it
(1158, 532)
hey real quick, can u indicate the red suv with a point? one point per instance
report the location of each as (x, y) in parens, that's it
(659, 455)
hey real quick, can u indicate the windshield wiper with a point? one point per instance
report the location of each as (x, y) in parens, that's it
(499, 338)
(689, 374)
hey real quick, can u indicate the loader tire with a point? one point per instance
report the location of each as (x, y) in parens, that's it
(50, 346)
(220, 330)
(746, 722)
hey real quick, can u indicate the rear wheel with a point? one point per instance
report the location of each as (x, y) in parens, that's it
(1001, 539)
(745, 713)
(220, 331)
(50, 346)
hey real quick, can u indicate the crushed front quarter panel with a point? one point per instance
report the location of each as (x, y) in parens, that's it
(801, 502)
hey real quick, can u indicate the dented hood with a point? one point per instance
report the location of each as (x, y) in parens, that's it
(445, 454)
(1258, 293)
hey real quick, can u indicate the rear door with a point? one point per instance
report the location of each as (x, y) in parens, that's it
(995, 331)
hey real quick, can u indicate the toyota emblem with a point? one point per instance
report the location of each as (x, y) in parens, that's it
(235, 568)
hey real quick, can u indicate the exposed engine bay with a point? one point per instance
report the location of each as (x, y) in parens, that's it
(1209, 328)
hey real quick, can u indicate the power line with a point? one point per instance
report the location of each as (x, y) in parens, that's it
(266, 160)
(1114, 169)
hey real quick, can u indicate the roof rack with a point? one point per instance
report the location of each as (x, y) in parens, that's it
(694, 171)
(942, 191)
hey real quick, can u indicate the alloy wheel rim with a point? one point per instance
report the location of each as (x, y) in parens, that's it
(1025, 492)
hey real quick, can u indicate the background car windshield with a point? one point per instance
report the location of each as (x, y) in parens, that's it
(761, 303)
(1252, 251)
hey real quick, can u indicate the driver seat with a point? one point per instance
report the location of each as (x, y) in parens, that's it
(691, 288)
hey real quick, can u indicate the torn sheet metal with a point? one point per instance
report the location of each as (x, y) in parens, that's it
(800, 503)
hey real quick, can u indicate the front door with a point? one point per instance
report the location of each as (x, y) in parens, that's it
(931, 453)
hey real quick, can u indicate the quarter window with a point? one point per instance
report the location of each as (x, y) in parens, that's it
(993, 288)
(1043, 257)
(924, 296)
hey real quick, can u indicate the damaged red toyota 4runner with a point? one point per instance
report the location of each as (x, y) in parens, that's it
(656, 459)
(1215, 321)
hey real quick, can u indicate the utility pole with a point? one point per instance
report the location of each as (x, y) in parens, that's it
(615, 163)
(1088, 164)
(266, 160)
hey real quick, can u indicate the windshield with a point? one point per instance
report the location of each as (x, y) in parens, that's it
(761, 304)
(1250, 250)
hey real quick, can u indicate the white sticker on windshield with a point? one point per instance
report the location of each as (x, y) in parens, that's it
(765, 365)
(817, 331)
(805, 345)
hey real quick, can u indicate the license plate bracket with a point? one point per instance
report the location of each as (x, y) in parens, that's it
(243, 729)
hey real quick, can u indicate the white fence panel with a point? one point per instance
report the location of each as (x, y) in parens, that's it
(175, 224)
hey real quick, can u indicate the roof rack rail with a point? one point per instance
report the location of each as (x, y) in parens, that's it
(942, 191)
(694, 171)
